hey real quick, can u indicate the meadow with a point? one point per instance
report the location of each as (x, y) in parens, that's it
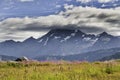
(61, 70)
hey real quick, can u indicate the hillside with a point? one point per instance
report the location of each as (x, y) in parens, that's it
(7, 58)
(112, 57)
(89, 56)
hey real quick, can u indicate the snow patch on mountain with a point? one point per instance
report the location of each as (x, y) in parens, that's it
(66, 38)
(83, 35)
(40, 40)
(86, 39)
(57, 37)
(51, 35)
(46, 41)
(106, 39)
(73, 34)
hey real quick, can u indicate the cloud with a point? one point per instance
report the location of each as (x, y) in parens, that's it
(66, 6)
(83, 1)
(101, 1)
(26, 0)
(105, 1)
(90, 20)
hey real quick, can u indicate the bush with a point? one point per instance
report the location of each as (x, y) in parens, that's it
(109, 69)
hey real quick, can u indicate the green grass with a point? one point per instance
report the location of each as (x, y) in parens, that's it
(60, 70)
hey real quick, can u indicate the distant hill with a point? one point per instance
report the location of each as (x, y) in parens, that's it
(89, 56)
(111, 57)
(7, 58)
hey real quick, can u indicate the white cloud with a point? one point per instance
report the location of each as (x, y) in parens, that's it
(105, 1)
(101, 1)
(26, 0)
(66, 6)
(68, 0)
(83, 1)
(58, 6)
(88, 19)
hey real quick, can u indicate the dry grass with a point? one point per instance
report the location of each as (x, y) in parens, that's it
(60, 70)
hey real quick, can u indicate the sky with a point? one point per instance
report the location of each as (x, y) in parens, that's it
(20, 19)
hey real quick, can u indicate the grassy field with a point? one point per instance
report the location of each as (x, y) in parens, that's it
(60, 70)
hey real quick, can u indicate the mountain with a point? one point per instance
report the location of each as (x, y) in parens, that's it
(60, 42)
(65, 42)
(106, 41)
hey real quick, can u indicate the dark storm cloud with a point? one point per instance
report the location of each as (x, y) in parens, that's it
(90, 20)
(36, 28)
(114, 21)
(91, 29)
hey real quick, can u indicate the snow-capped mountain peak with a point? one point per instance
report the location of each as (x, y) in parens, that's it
(59, 42)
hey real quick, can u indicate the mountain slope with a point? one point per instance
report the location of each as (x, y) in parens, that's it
(106, 41)
(89, 56)
(66, 42)
(111, 57)
(7, 58)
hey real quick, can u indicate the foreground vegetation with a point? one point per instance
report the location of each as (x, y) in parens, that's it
(60, 70)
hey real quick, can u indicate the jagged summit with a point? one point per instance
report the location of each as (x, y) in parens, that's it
(30, 39)
(105, 34)
(63, 34)
(9, 41)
